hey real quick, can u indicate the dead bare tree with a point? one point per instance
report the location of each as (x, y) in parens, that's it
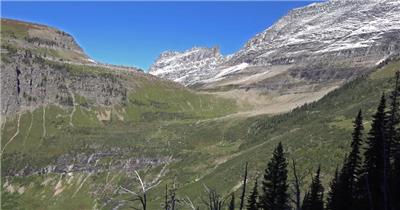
(188, 202)
(214, 200)
(296, 186)
(242, 197)
(171, 200)
(166, 203)
(141, 195)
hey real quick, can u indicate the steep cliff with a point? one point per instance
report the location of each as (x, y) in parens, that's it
(42, 65)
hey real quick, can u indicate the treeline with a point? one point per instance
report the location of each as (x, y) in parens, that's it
(368, 179)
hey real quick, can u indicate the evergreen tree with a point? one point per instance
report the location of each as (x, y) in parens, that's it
(252, 203)
(345, 187)
(306, 201)
(274, 185)
(394, 141)
(314, 197)
(354, 160)
(375, 164)
(394, 116)
(334, 201)
(232, 202)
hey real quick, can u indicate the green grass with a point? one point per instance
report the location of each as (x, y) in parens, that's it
(160, 120)
(13, 29)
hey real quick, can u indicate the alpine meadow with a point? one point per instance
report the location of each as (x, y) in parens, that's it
(304, 116)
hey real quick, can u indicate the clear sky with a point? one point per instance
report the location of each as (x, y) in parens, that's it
(135, 33)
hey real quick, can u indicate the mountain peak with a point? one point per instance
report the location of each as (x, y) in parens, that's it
(184, 67)
(298, 48)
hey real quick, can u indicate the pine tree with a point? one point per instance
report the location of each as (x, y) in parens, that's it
(375, 165)
(345, 184)
(394, 116)
(354, 160)
(315, 196)
(334, 202)
(394, 142)
(274, 185)
(252, 203)
(232, 202)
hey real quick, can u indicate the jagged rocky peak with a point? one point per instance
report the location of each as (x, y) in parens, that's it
(188, 66)
(322, 42)
(194, 54)
(361, 28)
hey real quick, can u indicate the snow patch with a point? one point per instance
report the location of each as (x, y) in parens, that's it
(232, 69)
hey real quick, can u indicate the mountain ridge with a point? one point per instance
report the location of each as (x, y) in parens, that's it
(299, 45)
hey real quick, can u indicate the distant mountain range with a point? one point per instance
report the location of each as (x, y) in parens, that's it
(325, 42)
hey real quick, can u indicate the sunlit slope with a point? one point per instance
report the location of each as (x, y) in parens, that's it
(208, 152)
(73, 145)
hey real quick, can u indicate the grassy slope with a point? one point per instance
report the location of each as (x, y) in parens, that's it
(210, 152)
(36, 138)
(15, 34)
(163, 119)
(315, 134)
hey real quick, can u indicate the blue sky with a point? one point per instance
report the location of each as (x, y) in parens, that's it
(135, 33)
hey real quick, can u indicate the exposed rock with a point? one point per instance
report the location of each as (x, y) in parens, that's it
(187, 67)
(300, 47)
(41, 65)
(95, 163)
(30, 82)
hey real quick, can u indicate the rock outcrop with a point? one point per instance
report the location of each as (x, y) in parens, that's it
(41, 65)
(187, 67)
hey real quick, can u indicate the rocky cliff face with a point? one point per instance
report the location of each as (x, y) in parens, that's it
(41, 65)
(322, 42)
(187, 67)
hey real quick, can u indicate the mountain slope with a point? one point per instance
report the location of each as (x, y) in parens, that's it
(187, 67)
(57, 155)
(297, 50)
(210, 152)
(49, 105)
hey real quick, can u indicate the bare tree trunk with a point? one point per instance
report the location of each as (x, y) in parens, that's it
(166, 197)
(242, 197)
(296, 183)
(144, 201)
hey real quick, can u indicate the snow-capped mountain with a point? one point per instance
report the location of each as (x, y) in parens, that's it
(187, 67)
(322, 42)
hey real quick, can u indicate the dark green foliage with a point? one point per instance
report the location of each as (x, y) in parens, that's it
(343, 192)
(354, 160)
(274, 185)
(314, 197)
(394, 116)
(252, 199)
(333, 200)
(375, 165)
(394, 141)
